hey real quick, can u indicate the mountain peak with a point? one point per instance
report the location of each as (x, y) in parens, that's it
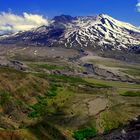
(105, 16)
(63, 18)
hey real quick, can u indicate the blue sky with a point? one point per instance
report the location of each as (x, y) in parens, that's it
(121, 9)
(125, 10)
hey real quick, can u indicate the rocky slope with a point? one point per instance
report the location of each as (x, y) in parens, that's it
(130, 132)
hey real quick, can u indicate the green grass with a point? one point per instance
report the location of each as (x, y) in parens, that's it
(39, 109)
(47, 66)
(54, 99)
(131, 93)
(70, 79)
(132, 71)
(64, 94)
(85, 133)
(115, 84)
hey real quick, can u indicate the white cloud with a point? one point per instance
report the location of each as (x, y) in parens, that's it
(12, 23)
(138, 6)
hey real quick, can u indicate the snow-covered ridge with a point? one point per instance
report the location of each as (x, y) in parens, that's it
(120, 23)
(102, 30)
(99, 31)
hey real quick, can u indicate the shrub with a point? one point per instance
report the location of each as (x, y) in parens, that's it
(52, 91)
(85, 133)
(131, 93)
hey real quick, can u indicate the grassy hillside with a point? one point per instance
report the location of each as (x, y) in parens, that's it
(37, 106)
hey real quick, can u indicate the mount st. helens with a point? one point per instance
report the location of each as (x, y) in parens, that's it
(101, 31)
(74, 79)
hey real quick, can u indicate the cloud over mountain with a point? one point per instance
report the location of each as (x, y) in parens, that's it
(11, 22)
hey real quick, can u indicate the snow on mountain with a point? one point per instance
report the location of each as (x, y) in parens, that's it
(102, 30)
(66, 31)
